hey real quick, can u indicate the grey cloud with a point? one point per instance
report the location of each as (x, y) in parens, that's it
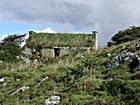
(106, 16)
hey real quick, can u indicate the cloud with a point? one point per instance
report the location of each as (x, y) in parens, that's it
(47, 30)
(106, 16)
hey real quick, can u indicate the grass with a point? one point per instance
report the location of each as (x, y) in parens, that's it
(78, 78)
(61, 40)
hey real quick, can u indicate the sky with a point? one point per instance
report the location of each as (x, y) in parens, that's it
(105, 16)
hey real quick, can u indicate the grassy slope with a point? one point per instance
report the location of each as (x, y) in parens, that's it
(78, 78)
(61, 40)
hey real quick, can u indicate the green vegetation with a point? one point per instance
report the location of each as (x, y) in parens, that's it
(60, 40)
(79, 77)
(9, 49)
(129, 34)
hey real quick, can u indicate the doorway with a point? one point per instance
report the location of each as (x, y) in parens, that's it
(57, 52)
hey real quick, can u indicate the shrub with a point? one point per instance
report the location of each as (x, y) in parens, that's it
(9, 49)
(127, 91)
(129, 34)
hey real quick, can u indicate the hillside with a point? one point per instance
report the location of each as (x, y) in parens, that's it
(78, 78)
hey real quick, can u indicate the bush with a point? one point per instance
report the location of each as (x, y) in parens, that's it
(125, 90)
(9, 49)
(129, 34)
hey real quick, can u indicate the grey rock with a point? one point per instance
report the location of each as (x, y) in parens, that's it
(18, 57)
(81, 56)
(1, 61)
(26, 60)
(35, 61)
(27, 51)
(108, 65)
(34, 50)
(18, 79)
(53, 100)
(138, 47)
(127, 58)
(109, 78)
(108, 54)
(2, 79)
(116, 63)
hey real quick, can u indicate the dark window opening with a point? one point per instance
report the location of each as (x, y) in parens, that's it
(56, 52)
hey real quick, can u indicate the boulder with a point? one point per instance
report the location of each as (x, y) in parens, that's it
(18, 57)
(53, 100)
(127, 58)
(27, 51)
(108, 54)
(26, 60)
(36, 61)
(1, 61)
(2, 79)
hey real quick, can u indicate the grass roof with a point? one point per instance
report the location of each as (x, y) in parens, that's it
(61, 40)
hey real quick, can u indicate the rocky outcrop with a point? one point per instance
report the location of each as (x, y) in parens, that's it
(27, 51)
(127, 58)
(53, 100)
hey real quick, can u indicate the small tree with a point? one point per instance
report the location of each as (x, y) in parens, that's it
(9, 48)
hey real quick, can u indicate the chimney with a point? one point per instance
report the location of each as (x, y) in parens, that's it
(94, 33)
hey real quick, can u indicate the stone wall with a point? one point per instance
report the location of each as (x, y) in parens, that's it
(63, 51)
(52, 52)
(55, 51)
(60, 51)
(48, 52)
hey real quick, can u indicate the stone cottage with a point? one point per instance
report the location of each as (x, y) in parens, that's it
(58, 44)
